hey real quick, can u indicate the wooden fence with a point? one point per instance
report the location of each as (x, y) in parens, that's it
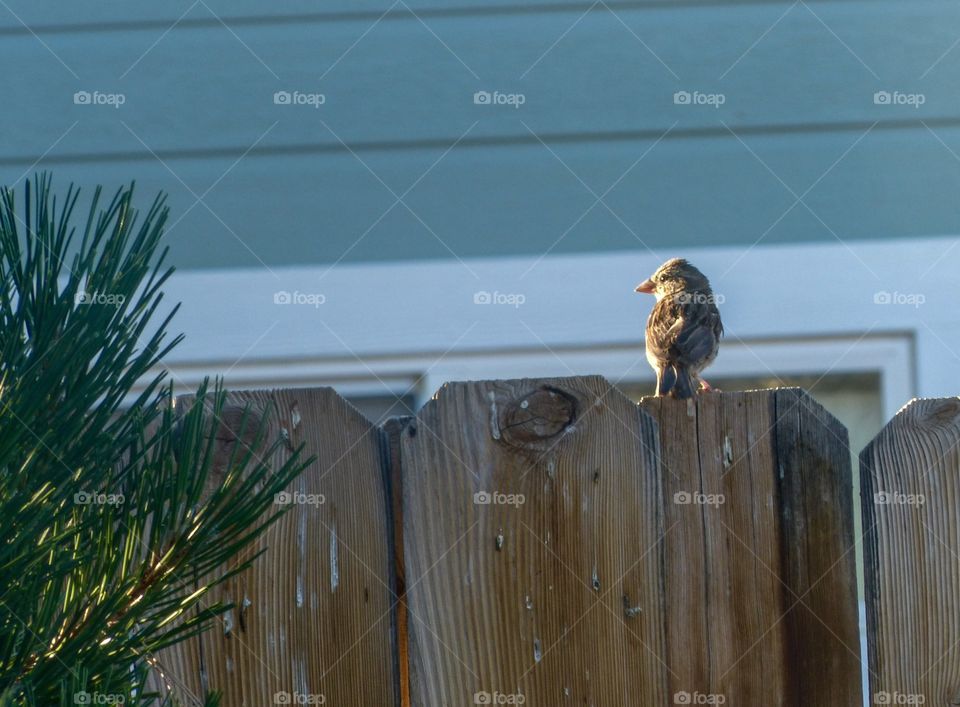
(550, 542)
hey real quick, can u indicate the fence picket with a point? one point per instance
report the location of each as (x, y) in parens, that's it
(910, 489)
(760, 578)
(315, 613)
(552, 589)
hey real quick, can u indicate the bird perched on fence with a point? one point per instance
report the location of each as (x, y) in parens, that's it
(683, 330)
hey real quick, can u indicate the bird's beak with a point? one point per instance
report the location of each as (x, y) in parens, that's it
(646, 287)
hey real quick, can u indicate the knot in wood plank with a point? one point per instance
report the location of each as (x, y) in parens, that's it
(535, 418)
(937, 415)
(237, 425)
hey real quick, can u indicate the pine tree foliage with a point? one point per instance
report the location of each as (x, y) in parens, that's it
(110, 539)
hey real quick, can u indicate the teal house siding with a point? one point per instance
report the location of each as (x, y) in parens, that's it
(792, 140)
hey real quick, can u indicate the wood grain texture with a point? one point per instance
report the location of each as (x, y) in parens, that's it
(533, 546)
(391, 433)
(760, 578)
(909, 493)
(315, 613)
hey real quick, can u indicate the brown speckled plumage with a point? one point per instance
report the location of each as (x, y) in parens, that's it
(683, 330)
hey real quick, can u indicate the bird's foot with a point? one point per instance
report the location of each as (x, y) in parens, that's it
(707, 388)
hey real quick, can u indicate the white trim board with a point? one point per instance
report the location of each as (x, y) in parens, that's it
(787, 310)
(421, 376)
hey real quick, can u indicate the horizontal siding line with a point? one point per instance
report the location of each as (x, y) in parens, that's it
(476, 142)
(574, 6)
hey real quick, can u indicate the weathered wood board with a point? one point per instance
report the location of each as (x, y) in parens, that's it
(910, 481)
(314, 617)
(533, 544)
(760, 578)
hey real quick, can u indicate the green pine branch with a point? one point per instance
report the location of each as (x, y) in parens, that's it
(109, 542)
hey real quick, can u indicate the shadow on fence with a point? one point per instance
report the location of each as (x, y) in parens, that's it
(550, 542)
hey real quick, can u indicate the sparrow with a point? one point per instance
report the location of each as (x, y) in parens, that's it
(683, 329)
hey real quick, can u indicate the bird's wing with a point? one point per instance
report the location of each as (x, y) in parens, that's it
(683, 333)
(660, 331)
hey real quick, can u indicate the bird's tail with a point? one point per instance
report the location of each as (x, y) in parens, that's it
(666, 381)
(676, 381)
